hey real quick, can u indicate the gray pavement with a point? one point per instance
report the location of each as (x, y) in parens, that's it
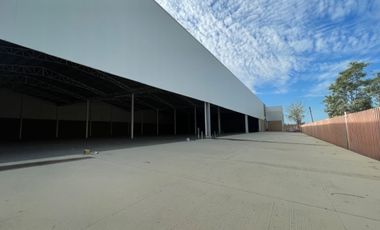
(250, 181)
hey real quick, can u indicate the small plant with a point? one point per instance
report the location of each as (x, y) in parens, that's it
(296, 113)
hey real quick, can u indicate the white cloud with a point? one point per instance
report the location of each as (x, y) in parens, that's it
(324, 74)
(267, 42)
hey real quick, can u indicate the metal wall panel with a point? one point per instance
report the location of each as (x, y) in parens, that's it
(135, 39)
(274, 113)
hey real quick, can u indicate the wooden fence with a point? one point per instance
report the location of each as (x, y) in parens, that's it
(359, 132)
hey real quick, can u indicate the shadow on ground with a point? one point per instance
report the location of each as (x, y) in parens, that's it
(34, 150)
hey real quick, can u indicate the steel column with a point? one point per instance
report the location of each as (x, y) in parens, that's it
(206, 120)
(207, 112)
(209, 119)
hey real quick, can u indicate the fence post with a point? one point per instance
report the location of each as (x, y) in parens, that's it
(347, 132)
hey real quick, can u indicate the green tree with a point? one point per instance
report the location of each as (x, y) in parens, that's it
(349, 92)
(374, 88)
(296, 112)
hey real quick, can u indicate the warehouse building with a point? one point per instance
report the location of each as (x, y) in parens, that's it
(275, 118)
(95, 69)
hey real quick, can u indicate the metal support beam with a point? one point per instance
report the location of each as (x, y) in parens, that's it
(30, 70)
(31, 54)
(209, 119)
(207, 114)
(132, 115)
(87, 117)
(246, 123)
(157, 122)
(175, 122)
(219, 124)
(156, 98)
(43, 85)
(186, 100)
(36, 90)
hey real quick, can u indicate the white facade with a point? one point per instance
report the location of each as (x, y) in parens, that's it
(135, 39)
(274, 113)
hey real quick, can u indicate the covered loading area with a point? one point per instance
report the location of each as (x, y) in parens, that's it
(225, 121)
(44, 97)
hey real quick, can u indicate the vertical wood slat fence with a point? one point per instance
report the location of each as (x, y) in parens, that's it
(358, 132)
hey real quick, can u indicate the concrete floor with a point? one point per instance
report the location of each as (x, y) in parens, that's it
(34, 150)
(253, 181)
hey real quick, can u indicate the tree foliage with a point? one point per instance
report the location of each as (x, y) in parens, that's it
(349, 93)
(374, 88)
(296, 112)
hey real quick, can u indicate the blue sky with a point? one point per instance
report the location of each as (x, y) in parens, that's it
(285, 50)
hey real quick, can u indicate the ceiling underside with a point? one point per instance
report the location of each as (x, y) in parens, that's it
(63, 82)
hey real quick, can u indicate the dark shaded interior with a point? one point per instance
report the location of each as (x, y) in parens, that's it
(253, 124)
(232, 122)
(62, 82)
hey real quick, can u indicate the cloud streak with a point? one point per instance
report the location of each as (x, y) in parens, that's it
(273, 44)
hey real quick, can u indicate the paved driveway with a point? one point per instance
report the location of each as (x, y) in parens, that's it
(252, 181)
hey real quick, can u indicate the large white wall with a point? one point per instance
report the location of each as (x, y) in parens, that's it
(135, 39)
(274, 113)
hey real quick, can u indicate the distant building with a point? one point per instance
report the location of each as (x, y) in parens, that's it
(275, 118)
